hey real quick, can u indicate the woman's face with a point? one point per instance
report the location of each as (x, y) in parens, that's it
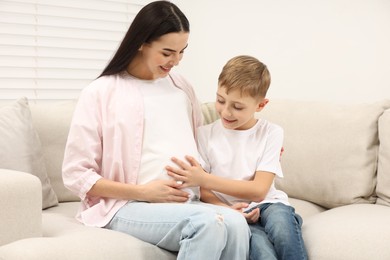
(157, 58)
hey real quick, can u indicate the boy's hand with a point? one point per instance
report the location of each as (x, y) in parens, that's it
(190, 175)
(252, 216)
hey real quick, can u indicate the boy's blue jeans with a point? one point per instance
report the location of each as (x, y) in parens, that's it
(278, 234)
(197, 230)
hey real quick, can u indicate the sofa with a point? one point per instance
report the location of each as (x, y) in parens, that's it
(336, 164)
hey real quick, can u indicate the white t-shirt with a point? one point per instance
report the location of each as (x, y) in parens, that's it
(165, 117)
(238, 154)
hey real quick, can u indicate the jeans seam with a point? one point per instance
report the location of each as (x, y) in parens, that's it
(299, 234)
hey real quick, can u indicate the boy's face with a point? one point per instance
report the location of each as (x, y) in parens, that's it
(237, 112)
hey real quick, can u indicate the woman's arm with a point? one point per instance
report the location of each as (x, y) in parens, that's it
(208, 196)
(154, 191)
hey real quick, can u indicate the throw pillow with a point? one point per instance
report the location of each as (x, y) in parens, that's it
(20, 147)
(52, 122)
(383, 178)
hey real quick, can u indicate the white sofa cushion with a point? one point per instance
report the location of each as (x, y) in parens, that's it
(383, 179)
(20, 147)
(355, 232)
(336, 146)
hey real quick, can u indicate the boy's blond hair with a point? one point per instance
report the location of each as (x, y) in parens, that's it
(247, 74)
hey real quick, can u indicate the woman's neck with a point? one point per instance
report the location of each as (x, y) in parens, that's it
(137, 69)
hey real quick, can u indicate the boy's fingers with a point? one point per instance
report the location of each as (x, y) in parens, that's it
(171, 170)
(180, 163)
(177, 175)
(192, 160)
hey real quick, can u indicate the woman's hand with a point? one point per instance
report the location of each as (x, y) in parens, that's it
(154, 191)
(252, 216)
(190, 175)
(162, 191)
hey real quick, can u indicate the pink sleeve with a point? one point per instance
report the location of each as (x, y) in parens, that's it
(83, 151)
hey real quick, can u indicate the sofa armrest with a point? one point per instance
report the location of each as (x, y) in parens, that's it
(20, 206)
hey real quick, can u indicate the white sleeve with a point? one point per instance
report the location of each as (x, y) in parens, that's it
(270, 160)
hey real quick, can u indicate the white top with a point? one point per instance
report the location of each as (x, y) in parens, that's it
(238, 154)
(161, 97)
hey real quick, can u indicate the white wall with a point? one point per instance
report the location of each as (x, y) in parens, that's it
(334, 50)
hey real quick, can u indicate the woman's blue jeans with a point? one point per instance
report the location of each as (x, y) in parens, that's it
(278, 234)
(196, 230)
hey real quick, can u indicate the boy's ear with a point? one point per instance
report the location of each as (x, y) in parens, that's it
(262, 104)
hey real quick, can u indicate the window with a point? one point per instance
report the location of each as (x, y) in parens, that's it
(50, 50)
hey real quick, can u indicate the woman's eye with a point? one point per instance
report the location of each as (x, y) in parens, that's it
(220, 101)
(166, 54)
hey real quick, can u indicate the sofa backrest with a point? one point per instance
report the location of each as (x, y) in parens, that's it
(330, 158)
(331, 150)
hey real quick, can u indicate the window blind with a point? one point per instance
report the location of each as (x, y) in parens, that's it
(51, 49)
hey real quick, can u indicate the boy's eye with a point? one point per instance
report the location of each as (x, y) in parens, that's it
(238, 108)
(220, 101)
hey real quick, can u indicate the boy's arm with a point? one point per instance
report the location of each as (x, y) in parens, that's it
(194, 175)
(208, 196)
(253, 190)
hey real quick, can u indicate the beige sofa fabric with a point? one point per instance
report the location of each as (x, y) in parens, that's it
(20, 206)
(21, 148)
(353, 232)
(341, 172)
(209, 112)
(53, 137)
(383, 179)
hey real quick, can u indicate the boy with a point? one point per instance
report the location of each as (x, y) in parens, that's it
(242, 155)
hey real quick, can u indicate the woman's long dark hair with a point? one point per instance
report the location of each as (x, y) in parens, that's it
(153, 20)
